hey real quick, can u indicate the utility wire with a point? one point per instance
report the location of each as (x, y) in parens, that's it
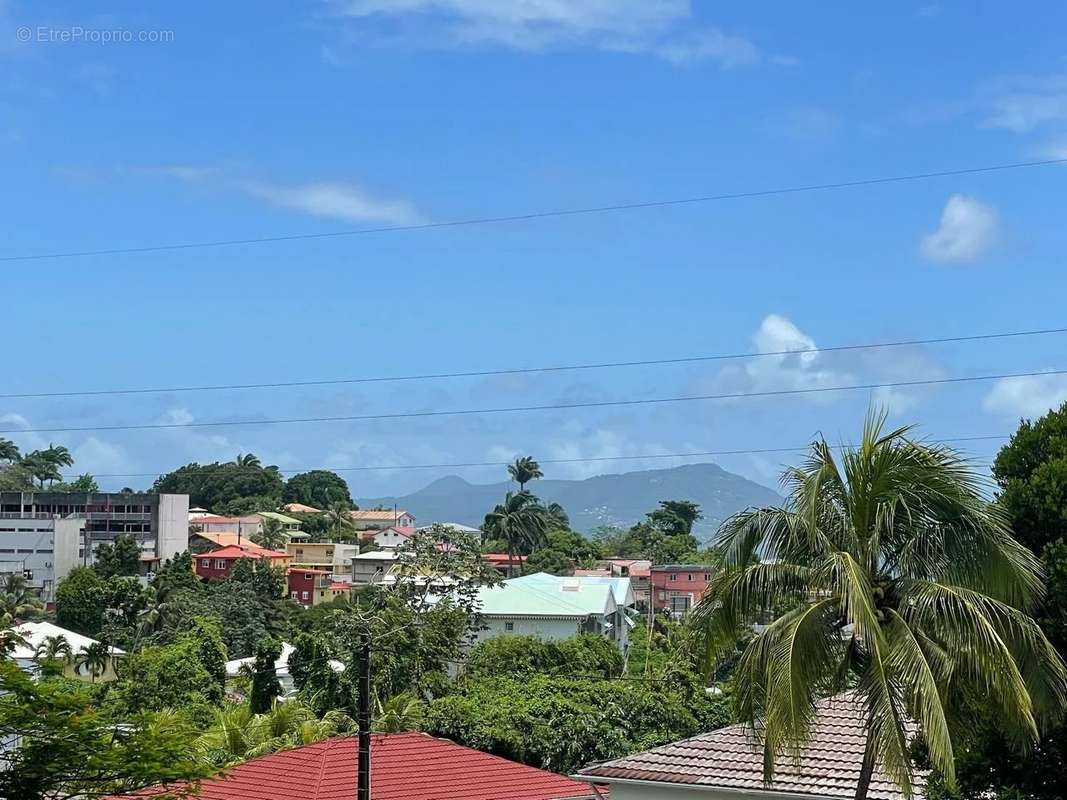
(545, 407)
(529, 370)
(537, 215)
(208, 468)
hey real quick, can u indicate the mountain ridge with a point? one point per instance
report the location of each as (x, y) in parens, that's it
(612, 499)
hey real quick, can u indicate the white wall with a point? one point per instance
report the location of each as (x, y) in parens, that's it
(172, 534)
(548, 629)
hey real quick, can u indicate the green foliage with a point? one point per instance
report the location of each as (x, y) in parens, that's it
(562, 551)
(316, 682)
(561, 723)
(69, 748)
(81, 599)
(83, 483)
(585, 655)
(265, 686)
(1031, 471)
(168, 676)
(236, 733)
(524, 470)
(229, 488)
(318, 488)
(18, 600)
(205, 633)
(121, 557)
(896, 543)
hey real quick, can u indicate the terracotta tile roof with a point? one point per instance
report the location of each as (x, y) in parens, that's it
(227, 539)
(502, 558)
(406, 766)
(300, 508)
(244, 551)
(729, 758)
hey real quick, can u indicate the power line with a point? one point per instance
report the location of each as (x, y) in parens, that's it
(528, 370)
(537, 215)
(588, 459)
(545, 407)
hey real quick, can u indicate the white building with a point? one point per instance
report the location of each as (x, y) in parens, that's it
(555, 608)
(390, 538)
(36, 634)
(44, 535)
(373, 567)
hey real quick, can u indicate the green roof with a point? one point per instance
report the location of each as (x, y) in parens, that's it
(280, 517)
(543, 595)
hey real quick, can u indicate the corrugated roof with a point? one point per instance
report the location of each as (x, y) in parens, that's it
(729, 758)
(378, 514)
(244, 551)
(543, 595)
(405, 766)
(280, 517)
(620, 587)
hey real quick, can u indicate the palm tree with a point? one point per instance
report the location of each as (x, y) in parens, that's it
(17, 598)
(236, 734)
(558, 516)
(271, 534)
(9, 450)
(247, 460)
(10, 641)
(892, 574)
(93, 658)
(524, 470)
(339, 519)
(520, 521)
(53, 648)
(398, 714)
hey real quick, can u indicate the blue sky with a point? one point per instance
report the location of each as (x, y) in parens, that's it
(251, 120)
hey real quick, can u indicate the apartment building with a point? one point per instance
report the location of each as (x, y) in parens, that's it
(44, 535)
(677, 588)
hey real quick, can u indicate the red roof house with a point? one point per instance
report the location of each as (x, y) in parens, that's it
(404, 766)
(218, 563)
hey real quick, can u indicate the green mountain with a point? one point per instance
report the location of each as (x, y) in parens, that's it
(621, 499)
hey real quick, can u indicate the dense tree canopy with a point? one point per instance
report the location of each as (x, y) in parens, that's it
(121, 557)
(317, 488)
(226, 488)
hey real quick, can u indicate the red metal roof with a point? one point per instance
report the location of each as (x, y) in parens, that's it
(502, 558)
(243, 551)
(405, 766)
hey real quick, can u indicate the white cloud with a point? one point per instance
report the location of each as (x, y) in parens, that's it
(338, 200)
(1023, 102)
(1029, 396)
(664, 28)
(968, 229)
(793, 360)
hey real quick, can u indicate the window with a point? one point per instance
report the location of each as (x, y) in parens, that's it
(689, 577)
(304, 595)
(293, 594)
(673, 577)
(220, 563)
(509, 626)
(308, 576)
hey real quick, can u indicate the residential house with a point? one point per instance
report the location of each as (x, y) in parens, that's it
(389, 538)
(309, 587)
(677, 588)
(219, 563)
(556, 608)
(456, 526)
(281, 668)
(638, 570)
(196, 512)
(373, 567)
(377, 519)
(404, 766)
(334, 557)
(36, 634)
(245, 526)
(288, 523)
(728, 763)
(201, 541)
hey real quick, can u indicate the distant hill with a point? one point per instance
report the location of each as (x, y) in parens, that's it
(621, 499)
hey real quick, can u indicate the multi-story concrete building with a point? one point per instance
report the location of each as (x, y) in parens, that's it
(44, 535)
(677, 588)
